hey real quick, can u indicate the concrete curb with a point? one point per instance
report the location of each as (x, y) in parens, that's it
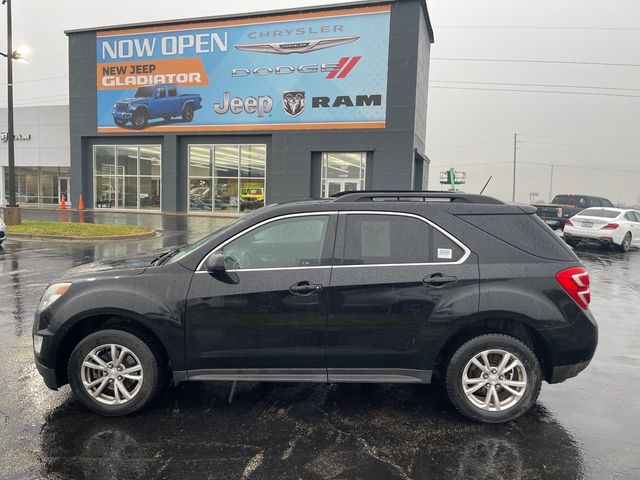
(31, 236)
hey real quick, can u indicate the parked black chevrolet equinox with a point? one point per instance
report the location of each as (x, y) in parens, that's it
(388, 287)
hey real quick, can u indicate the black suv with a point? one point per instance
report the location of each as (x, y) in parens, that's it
(388, 287)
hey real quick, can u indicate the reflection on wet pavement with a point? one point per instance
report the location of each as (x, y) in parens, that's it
(587, 427)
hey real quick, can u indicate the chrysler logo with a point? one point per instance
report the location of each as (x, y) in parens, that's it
(293, 102)
(302, 46)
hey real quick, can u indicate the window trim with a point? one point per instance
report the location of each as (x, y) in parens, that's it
(465, 256)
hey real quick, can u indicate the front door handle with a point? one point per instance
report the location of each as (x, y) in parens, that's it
(438, 280)
(305, 288)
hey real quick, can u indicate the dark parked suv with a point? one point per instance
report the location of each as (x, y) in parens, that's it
(388, 287)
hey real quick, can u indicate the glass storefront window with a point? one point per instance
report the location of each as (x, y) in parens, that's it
(237, 179)
(36, 185)
(127, 160)
(200, 161)
(150, 193)
(127, 176)
(200, 194)
(226, 160)
(253, 160)
(105, 160)
(343, 171)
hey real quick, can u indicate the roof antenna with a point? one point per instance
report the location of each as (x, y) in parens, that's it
(485, 185)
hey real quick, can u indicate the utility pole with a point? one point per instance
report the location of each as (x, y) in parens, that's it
(12, 211)
(515, 159)
(551, 184)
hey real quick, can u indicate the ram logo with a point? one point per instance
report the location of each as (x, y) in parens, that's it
(293, 102)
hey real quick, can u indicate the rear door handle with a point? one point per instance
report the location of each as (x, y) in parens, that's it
(438, 280)
(305, 288)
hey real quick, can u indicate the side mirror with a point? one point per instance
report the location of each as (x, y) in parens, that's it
(215, 263)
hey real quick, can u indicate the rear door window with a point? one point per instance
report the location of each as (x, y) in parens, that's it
(386, 239)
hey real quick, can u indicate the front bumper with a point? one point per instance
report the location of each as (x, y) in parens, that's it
(121, 115)
(48, 375)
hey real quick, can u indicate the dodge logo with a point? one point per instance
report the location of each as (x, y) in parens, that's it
(293, 102)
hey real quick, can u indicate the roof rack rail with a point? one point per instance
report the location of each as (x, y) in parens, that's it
(412, 196)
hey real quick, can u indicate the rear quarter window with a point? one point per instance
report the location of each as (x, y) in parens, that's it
(524, 232)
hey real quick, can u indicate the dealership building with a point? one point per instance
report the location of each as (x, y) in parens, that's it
(224, 114)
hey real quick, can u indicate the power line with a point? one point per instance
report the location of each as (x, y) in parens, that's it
(599, 139)
(534, 27)
(514, 60)
(536, 91)
(535, 85)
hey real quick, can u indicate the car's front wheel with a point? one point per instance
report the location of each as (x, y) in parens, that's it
(493, 378)
(114, 372)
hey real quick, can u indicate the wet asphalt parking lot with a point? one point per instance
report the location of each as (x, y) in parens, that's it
(585, 428)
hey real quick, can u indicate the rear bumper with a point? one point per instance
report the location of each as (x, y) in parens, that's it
(564, 372)
(588, 239)
(553, 222)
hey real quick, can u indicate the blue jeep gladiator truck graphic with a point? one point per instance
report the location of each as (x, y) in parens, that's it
(155, 101)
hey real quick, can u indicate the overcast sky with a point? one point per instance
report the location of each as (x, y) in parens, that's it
(469, 127)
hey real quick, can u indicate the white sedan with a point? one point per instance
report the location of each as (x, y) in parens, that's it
(604, 226)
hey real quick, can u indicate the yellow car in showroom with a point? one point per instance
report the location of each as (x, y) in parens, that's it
(251, 198)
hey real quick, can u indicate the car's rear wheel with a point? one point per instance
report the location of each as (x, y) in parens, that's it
(626, 243)
(114, 372)
(121, 122)
(187, 113)
(493, 378)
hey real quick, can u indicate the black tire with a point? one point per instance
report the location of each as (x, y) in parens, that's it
(140, 119)
(571, 243)
(121, 122)
(475, 346)
(626, 243)
(187, 113)
(145, 351)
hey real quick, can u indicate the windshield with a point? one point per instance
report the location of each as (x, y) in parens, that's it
(194, 246)
(144, 92)
(599, 212)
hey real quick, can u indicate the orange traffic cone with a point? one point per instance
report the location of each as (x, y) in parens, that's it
(80, 203)
(63, 204)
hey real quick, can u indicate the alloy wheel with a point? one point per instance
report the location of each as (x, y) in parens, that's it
(112, 374)
(494, 380)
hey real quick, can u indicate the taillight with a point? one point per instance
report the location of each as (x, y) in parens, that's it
(575, 282)
(568, 222)
(610, 226)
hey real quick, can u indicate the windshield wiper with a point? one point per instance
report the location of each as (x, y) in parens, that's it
(159, 260)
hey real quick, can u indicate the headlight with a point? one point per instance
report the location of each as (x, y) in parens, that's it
(115, 105)
(51, 294)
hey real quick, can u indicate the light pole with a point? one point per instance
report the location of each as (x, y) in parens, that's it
(12, 214)
(515, 160)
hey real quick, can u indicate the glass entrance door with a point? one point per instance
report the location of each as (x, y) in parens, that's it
(337, 185)
(64, 191)
(342, 171)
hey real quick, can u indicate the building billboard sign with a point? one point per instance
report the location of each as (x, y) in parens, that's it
(314, 70)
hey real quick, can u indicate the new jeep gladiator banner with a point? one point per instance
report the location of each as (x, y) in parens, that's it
(301, 71)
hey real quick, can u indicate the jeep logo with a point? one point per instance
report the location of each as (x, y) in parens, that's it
(347, 101)
(260, 105)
